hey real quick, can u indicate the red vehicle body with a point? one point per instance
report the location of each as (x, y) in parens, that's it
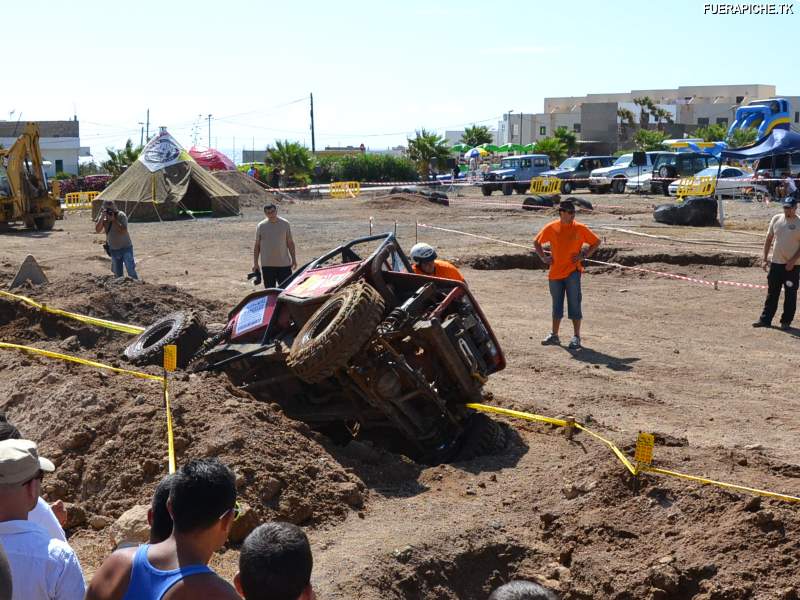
(364, 347)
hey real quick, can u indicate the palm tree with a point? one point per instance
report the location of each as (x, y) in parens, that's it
(119, 160)
(569, 139)
(553, 147)
(476, 135)
(425, 148)
(292, 158)
(645, 104)
(742, 137)
(627, 115)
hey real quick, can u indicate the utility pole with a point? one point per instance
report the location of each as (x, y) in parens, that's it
(313, 144)
(209, 130)
(147, 133)
(141, 135)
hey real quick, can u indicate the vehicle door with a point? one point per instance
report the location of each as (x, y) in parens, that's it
(584, 168)
(540, 164)
(525, 169)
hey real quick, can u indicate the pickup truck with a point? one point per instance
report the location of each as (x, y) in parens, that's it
(575, 171)
(615, 177)
(515, 173)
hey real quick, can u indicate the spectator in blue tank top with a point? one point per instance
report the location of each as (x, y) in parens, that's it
(275, 564)
(202, 503)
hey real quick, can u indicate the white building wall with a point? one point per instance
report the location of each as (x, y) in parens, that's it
(66, 150)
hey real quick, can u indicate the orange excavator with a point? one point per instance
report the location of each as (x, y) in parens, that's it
(24, 193)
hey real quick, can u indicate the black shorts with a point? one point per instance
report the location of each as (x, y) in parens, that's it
(274, 276)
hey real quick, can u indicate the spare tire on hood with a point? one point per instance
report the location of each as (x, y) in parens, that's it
(696, 212)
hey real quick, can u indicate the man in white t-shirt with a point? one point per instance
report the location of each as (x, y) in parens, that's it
(787, 187)
(42, 568)
(782, 269)
(274, 248)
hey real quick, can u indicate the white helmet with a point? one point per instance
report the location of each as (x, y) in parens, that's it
(422, 252)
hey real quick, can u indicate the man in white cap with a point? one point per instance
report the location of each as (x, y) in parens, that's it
(42, 568)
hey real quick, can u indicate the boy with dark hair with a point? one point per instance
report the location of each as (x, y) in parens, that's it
(275, 564)
(522, 590)
(158, 515)
(202, 503)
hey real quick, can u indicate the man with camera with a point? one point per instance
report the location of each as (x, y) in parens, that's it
(118, 242)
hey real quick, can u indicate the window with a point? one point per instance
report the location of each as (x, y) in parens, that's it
(722, 120)
(542, 130)
(702, 120)
(526, 163)
(542, 162)
(59, 166)
(576, 127)
(515, 129)
(797, 117)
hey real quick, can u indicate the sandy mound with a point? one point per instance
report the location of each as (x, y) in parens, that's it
(107, 433)
(250, 193)
(401, 200)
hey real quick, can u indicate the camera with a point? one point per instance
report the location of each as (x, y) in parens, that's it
(255, 276)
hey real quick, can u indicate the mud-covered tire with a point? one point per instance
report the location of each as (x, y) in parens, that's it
(333, 334)
(486, 190)
(184, 329)
(483, 435)
(44, 223)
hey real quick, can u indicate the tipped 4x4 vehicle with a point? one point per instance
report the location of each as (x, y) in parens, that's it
(356, 345)
(515, 174)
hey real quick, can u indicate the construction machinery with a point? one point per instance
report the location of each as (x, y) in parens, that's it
(24, 193)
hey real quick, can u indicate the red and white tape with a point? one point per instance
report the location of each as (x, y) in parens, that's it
(715, 284)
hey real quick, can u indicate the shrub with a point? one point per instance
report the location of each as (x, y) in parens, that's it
(374, 167)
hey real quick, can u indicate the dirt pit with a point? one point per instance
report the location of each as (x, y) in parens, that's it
(402, 200)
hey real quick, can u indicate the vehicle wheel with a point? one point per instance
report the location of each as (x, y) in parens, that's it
(334, 333)
(522, 189)
(482, 436)
(486, 190)
(618, 186)
(665, 188)
(44, 223)
(507, 189)
(536, 202)
(566, 187)
(184, 329)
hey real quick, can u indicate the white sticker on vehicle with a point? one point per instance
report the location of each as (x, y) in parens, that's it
(252, 315)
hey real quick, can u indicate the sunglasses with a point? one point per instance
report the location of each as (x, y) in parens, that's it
(236, 510)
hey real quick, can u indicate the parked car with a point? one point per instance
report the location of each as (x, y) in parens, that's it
(638, 185)
(515, 173)
(732, 182)
(613, 178)
(575, 170)
(670, 166)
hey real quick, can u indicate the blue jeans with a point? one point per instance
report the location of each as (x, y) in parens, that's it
(571, 286)
(120, 257)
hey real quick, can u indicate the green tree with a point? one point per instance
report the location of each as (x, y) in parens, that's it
(568, 138)
(712, 133)
(89, 168)
(645, 103)
(553, 147)
(292, 158)
(742, 137)
(427, 147)
(119, 160)
(476, 135)
(627, 115)
(647, 139)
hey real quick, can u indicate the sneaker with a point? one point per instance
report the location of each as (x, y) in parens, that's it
(551, 340)
(575, 343)
(760, 323)
(786, 326)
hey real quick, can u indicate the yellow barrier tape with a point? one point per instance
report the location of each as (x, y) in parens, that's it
(97, 365)
(518, 414)
(624, 459)
(730, 486)
(132, 329)
(612, 445)
(82, 361)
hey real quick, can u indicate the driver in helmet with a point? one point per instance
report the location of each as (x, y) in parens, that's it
(426, 263)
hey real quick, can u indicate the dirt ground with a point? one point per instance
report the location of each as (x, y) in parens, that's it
(662, 355)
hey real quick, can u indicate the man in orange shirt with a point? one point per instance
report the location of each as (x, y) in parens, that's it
(426, 263)
(566, 238)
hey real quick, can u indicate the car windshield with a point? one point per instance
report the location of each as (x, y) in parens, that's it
(509, 163)
(624, 160)
(570, 163)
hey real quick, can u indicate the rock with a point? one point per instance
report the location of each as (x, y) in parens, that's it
(80, 439)
(403, 555)
(76, 516)
(247, 521)
(132, 526)
(270, 489)
(350, 494)
(548, 518)
(752, 504)
(99, 522)
(53, 378)
(666, 560)
(753, 447)
(295, 510)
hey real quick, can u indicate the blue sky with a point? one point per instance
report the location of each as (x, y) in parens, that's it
(377, 70)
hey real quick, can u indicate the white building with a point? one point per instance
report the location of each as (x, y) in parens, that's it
(59, 141)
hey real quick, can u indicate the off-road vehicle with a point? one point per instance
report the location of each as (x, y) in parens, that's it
(355, 343)
(515, 174)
